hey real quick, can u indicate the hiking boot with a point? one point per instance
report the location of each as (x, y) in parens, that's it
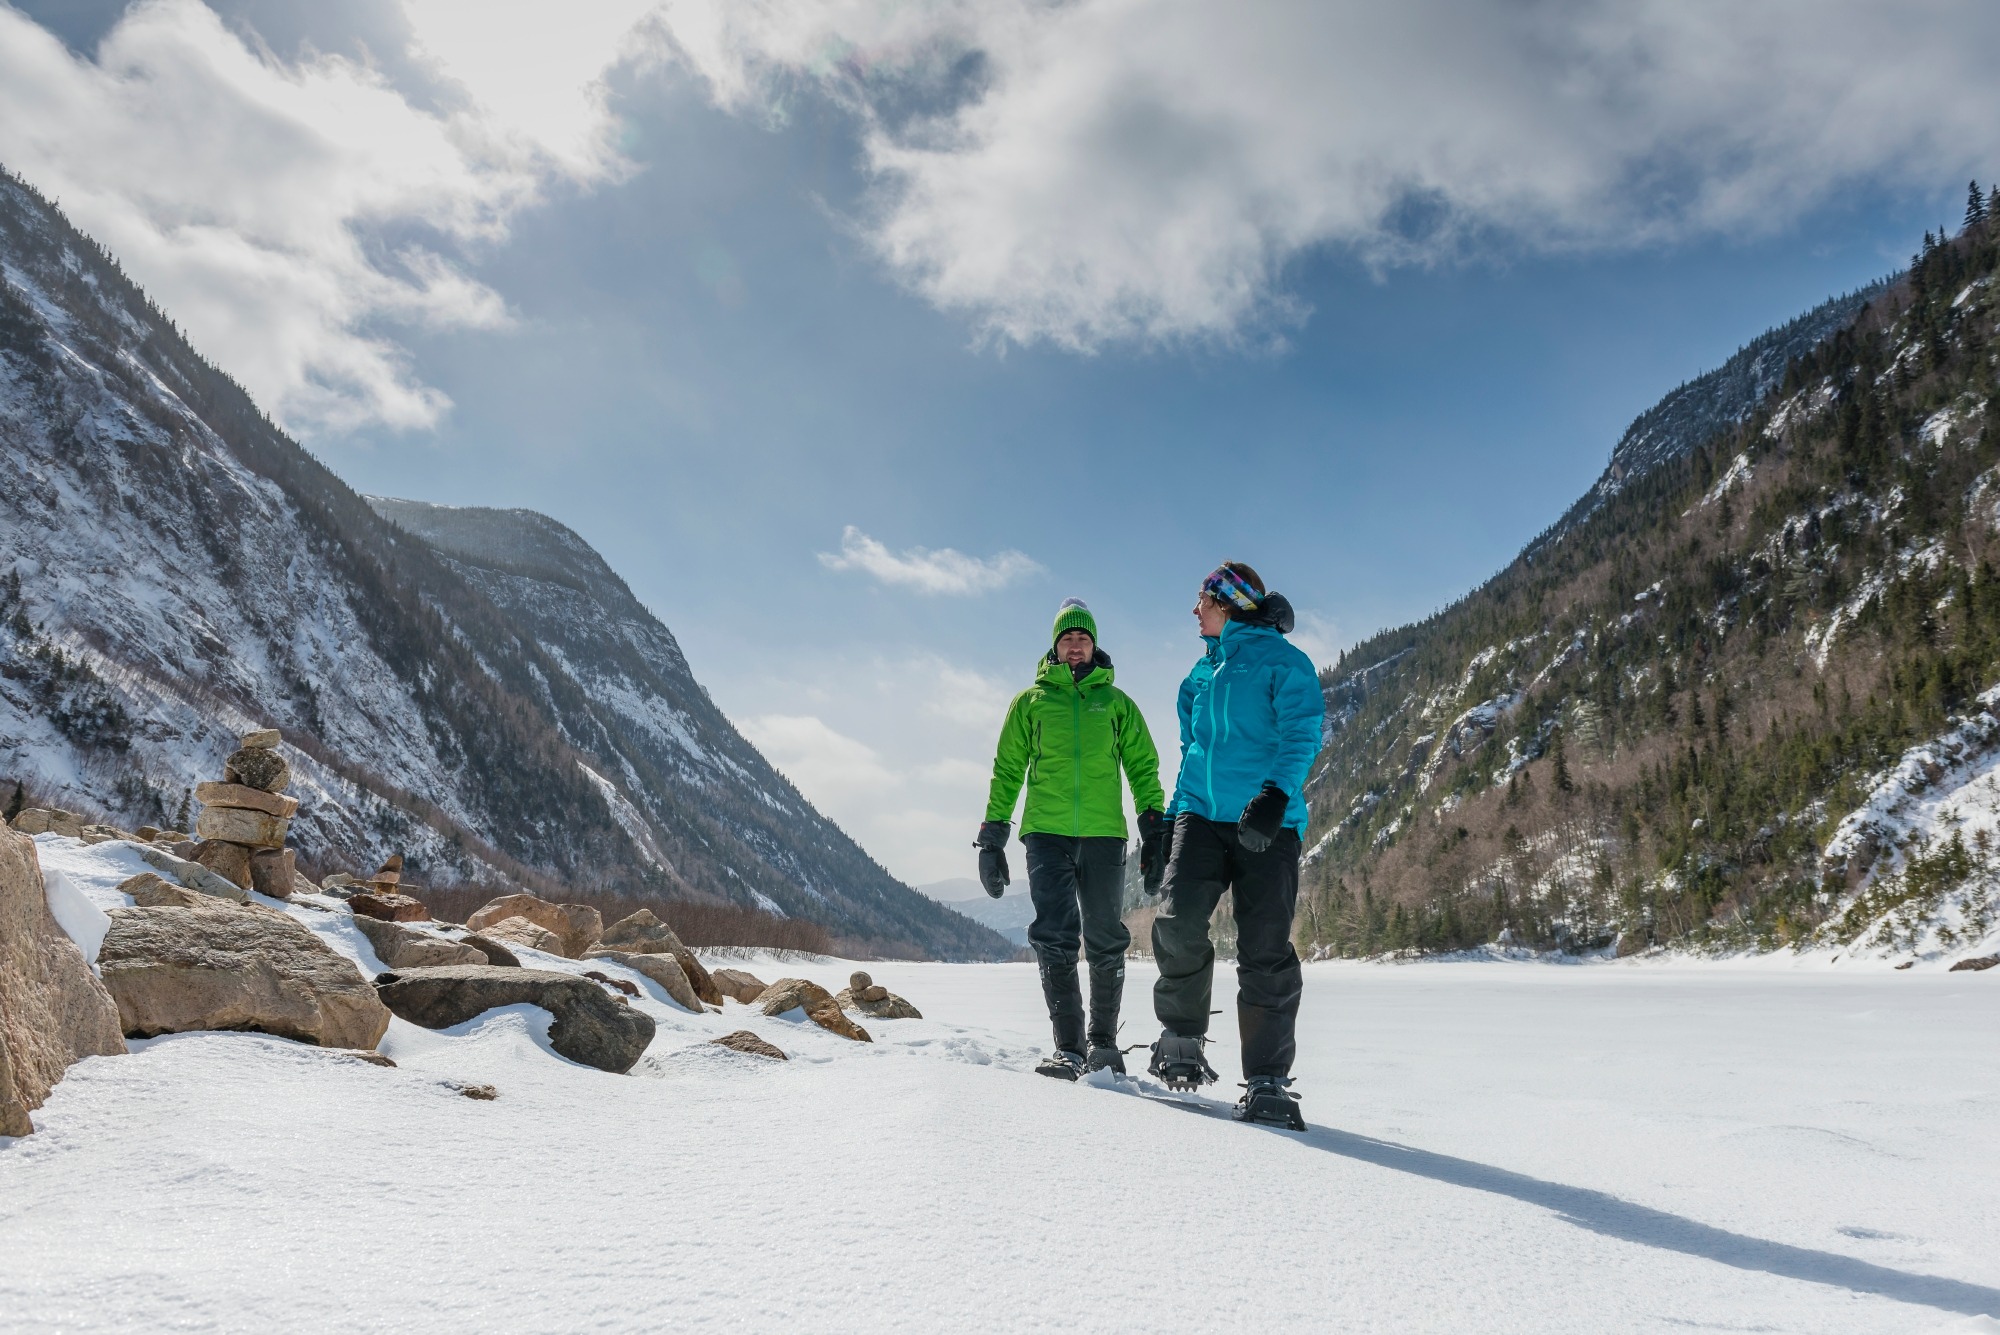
(1102, 1057)
(1268, 1099)
(1061, 1065)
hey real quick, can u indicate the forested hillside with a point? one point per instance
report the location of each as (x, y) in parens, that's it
(1671, 719)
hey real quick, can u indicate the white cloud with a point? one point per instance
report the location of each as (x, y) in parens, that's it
(1145, 169)
(897, 749)
(944, 571)
(1319, 637)
(255, 198)
(817, 759)
(916, 812)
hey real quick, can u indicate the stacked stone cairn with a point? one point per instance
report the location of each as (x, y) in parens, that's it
(381, 896)
(864, 994)
(245, 819)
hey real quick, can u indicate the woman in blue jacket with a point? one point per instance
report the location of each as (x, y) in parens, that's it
(1250, 713)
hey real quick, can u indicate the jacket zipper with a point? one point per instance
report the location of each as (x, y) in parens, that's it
(1076, 737)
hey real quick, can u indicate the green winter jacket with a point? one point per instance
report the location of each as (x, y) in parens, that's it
(1068, 739)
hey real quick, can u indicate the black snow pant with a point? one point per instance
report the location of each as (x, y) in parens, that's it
(1207, 859)
(1065, 875)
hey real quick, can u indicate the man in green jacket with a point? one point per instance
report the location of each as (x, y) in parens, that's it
(1068, 736)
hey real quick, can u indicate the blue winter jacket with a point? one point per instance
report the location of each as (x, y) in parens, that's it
(1250, 710)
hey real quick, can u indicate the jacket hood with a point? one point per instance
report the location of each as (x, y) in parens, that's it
(1275, 612)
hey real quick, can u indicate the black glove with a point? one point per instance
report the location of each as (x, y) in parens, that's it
(992, 846)
(1156, 841)
(1263, 818)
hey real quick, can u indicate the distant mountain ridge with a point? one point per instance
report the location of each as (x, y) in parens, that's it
(1692, 413)
(474, 689)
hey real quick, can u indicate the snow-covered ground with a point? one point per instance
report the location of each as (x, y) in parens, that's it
(1760, 1145)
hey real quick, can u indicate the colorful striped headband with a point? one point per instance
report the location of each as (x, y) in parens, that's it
(1226, 586)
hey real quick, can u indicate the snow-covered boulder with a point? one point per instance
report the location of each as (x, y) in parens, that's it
(641, 933)
(388, 906)
(192, 874)
(589, 1027)
(744, 987)
(53, 1010)
(150, 890)
(174, 969)
(815, 1002)
(520, 932)
(578, 926)
(663, 969)
(400, 947)
(746, 1042)
(493, 950)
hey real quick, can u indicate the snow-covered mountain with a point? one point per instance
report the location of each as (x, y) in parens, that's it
(1742, 697)
(473, 689)
(1009, 915)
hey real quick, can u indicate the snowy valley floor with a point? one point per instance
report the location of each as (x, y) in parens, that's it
(1766, 1146)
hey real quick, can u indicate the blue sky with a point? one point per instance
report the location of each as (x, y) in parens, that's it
(717, 294)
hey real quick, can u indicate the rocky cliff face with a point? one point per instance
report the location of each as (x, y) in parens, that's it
(1711, 403)
(174, 571)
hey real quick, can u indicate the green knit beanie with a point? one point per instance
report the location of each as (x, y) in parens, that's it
(1074, 615)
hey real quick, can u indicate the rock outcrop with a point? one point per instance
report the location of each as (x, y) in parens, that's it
(258, 766)
(53, 1010)
(495, 952)
(744, 987)
(642, 933)
(387, 906)
(49, 820)
(577, 926)
(590, 1027)
(790, 994)
(524, 934)
(398, 947)
(193, 875)
(173, 969)
(864, 994)
(149, 890)
(662, 969)
(745, 1041)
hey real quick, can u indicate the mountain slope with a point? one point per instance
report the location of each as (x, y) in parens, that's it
(698, 791)
(1695, 412)
(173, 570)
(1653, 726)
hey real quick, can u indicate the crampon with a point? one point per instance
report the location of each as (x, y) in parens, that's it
(1178, 1063)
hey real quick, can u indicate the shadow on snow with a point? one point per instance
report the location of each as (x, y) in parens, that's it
(1603, 1213)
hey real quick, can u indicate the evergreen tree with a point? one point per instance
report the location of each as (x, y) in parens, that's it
(1559, 757)
(1975, 206)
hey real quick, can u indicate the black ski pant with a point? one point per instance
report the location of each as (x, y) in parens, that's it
(1207, 859)
(1076, 885)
